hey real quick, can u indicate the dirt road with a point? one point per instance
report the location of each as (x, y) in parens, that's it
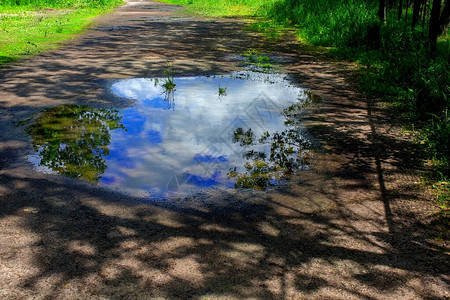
(356, 226)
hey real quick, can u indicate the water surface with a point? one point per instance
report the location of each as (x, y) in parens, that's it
(181, 135)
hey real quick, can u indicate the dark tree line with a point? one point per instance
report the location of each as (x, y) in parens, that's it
(431, 14)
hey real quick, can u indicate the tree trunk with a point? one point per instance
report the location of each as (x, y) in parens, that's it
(424, 13)
(434, 29)
(416, 12)
(444, 20)
(382, 10)
(400, 9)
(390, 3)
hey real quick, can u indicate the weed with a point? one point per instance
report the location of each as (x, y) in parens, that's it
(436, 137)
(261, 62)
(222, 91)
(168, 81)
(168, 85)
(441, 193)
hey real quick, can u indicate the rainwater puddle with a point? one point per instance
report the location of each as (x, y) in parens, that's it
(181, 135)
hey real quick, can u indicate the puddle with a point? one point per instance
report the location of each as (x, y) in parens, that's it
(181, 135)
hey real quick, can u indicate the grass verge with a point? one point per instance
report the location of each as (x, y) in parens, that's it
(30, 29)
(224, 8)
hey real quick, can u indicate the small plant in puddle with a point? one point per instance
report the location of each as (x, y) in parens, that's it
(168, 82)
(169, 85)
(259, 61)
(222, 91)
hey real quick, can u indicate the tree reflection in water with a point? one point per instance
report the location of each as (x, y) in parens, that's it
(73, 139)
(274, 157)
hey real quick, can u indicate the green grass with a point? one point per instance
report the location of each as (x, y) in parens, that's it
(261, 62)
(58, 3)
(36, 26)
(223, 8)
(319, 22)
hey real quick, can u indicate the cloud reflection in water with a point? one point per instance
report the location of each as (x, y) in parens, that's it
(201, 142)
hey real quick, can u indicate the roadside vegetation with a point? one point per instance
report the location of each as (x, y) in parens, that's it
(28, 27)
(403, 48)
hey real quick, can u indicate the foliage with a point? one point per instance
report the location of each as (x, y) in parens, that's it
(274, 157)
(288, 151)
(168, 82)
(73, 139)
(327, 23)
(27, 33)
(436, 136)
(261, 62)
(168, 85)
(441, 192)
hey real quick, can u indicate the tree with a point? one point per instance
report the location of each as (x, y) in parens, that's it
(444, 20)
(416, 11)
(382, 10)
(439, 22)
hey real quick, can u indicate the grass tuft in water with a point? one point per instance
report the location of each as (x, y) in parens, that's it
(222, 91)
(168, 81)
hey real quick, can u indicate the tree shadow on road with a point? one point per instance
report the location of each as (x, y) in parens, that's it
(100, 243)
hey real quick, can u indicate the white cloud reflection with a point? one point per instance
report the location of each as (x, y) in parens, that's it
(194, 137)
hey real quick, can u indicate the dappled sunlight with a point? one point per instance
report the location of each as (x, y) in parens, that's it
(333, 230)
(268, 229)
(214, 248)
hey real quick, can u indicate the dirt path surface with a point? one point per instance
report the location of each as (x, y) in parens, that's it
(356, 226)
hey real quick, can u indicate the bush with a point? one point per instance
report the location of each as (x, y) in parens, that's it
(328, 23)
(437, 139)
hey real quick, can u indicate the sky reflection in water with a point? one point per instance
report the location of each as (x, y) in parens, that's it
(198, 138)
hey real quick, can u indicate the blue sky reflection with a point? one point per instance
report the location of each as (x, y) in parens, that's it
(189, 146)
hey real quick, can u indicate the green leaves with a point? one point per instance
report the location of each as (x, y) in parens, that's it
(73, 139)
